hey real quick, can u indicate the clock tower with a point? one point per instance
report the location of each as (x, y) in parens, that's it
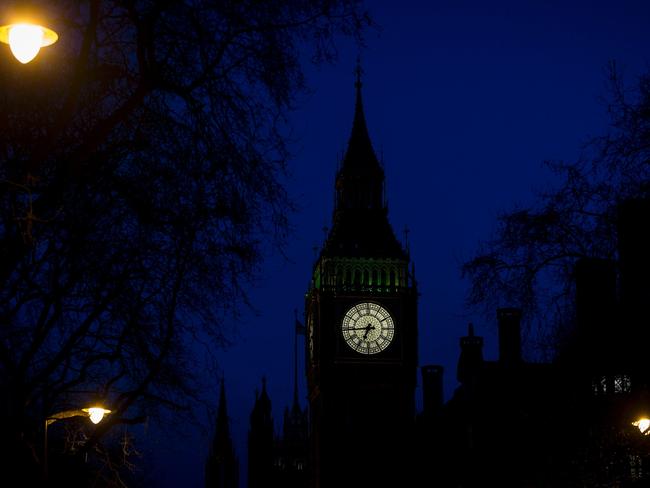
(361, 314)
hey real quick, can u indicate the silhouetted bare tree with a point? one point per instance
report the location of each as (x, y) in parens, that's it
(529, 261)
(141, 165)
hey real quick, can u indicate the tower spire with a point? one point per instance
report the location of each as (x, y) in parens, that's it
(358, 71)
(360, 225)
(360, 180)
(222, 466)
(359, 149)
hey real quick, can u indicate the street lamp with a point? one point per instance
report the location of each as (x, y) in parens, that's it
(643, 424)
(26, 40)
(95, 413)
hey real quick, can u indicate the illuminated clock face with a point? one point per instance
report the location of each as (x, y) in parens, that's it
(368, 328)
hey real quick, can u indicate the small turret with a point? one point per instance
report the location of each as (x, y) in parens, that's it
(222, 466)
(471, 357)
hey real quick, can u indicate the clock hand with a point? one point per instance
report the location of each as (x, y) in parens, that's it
(368, 328)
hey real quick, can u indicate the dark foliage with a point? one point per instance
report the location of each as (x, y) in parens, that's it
(529, 261)
(141, 166)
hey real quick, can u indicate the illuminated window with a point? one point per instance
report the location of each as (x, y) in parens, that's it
(621, 383)
(594, 387)
(636, 469)
(617, 384)
(599, 385)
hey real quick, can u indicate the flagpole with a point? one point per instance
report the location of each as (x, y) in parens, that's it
(295, 356)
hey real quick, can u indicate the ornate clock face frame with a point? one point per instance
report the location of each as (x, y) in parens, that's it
(367, 328)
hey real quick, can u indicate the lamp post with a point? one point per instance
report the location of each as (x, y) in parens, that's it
(95, 413)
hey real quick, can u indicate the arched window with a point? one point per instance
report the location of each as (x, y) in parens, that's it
(366, 279)
(392, 278)
(374, 277)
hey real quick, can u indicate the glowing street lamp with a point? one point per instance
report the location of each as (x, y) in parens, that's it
(26, 40)
(95, 413)
(643, 424)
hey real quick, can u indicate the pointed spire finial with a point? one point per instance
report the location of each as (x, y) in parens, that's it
(222, 412)
(358, 71)
(470, 330)
(359, 120)
(359, 151)
(263, 400)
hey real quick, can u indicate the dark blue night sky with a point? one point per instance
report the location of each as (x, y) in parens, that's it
(464, 100)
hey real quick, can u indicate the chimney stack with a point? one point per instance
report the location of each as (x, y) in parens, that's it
(634, 254)
(509, 336)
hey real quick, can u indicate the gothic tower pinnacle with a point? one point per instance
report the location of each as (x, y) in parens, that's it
(222, 466)
(360, 224)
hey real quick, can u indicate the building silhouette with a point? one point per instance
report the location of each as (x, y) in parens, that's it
(509, 423)
(573, 421)
(496, 426)
(222, 466)
(277, 460)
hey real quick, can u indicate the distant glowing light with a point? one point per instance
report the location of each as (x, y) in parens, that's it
(643, 424)
(26, 40)
(96, 414)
